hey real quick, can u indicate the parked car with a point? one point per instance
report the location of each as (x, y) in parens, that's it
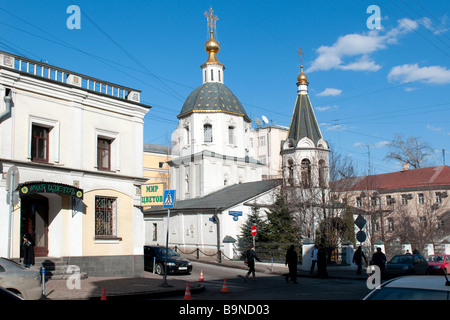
(438, 262)
(412, 288)
(175, 263)
(26, 283)
(406, 264)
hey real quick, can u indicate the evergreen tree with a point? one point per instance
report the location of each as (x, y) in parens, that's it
(281, 223)
(254, 220)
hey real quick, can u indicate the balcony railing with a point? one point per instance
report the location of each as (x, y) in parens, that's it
(46, 71)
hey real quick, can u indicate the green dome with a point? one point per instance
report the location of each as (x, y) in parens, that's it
(213, 97)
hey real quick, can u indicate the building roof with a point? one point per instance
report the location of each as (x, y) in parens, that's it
(213, 97)
(422, 178)
(157, 148)
(222, 199)
(304, 123)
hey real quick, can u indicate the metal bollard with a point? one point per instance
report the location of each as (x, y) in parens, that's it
(271, 260)
(154, 264)
(43, 280)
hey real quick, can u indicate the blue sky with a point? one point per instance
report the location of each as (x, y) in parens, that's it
(366, 85)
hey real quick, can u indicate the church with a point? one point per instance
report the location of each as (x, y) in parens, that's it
(216, 180)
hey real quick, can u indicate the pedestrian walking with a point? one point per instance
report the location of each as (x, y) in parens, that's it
(322, 262)
(250, 256)
(379, 259)
(313, 258)
(357, 258)
(291, 262)
(28, 251)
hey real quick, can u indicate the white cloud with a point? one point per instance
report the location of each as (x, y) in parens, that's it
(433, 128)
(381, 144)
(377, 145)
(359, 46)
(412, 72)
(326, 108)
(329, 92)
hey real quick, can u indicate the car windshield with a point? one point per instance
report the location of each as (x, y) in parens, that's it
(402, 259)
(435, 259)
(408, 294)
(170, 252)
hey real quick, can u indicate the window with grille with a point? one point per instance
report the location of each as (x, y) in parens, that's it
(207, 133)
(105, 216)
(39, 143)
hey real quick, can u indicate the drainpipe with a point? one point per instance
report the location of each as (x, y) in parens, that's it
(8, 103)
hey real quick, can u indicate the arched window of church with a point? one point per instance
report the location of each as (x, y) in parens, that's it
(322, 177)
(306, 173)
(207, 133)
(231, 135)
(290, 167)
(187, 134)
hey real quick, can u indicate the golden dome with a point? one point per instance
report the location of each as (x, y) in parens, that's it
(302, 79)
(212, 47)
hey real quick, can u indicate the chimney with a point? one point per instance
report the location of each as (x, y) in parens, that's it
(405, 167)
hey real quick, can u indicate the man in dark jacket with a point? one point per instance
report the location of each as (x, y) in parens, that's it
(358, 256)
(250, 255)
(291, 262)
(379, 259)
(28, 251)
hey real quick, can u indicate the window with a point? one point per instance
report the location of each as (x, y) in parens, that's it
(219, 75)
(155, 232)
(207, 133)
(290, 172)
(322, 178)
(421, 198)
(262, 141)
(188, 136)
(373, 201)
(404, 199)
(39, 143)
(390, 224)
(438, 197)
(231, 135)
(105, 216)
(306, 173)
(389, 200)
(103, 154)
(358, 202)
(212, 75)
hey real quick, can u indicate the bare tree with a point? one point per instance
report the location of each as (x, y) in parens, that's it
(412, 151)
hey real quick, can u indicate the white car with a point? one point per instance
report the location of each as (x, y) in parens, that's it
(23, 282)
(412, 288)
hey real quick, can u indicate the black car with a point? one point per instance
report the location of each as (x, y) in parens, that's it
(156, 256)
(406, 264)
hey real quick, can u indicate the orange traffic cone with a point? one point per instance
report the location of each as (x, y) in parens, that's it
(224, 287)
(103, 295)
(201, 276)
(187, 294)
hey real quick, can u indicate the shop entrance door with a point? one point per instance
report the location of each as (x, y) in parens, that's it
(34, 221)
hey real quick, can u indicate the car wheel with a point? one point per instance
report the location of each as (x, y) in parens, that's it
(159, 269)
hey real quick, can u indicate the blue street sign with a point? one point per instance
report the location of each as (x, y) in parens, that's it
(169, 199)
(235, 214)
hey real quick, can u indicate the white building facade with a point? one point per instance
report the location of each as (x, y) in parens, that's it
(77, 142)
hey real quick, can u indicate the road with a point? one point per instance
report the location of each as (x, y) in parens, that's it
(269, 286)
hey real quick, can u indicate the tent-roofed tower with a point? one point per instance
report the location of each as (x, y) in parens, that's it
(304, 152)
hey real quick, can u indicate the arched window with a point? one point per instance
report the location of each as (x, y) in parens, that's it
(322, 177)
(231, 135)
(306, 173)
(207, 133)
(290, 168)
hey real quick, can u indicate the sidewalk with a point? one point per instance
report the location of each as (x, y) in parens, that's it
(150, 286)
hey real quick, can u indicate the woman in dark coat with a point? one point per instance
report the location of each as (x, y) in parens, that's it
(291, 262)
(322, 262)
(28, 251)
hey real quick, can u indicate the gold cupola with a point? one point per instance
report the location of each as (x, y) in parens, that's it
(302, 79)
(212, 47)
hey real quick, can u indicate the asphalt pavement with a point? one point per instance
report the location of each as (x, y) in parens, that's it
(152, 286)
